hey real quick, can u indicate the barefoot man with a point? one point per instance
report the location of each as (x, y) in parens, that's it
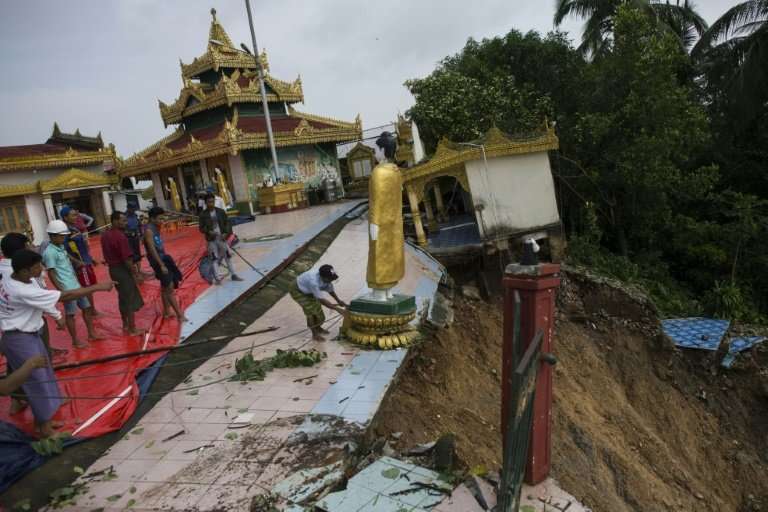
(22, 304)
(165, 268)
(62, 273)
(308, 293)
(119, 257)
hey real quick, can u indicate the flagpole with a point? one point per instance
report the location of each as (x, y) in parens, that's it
(264, 102)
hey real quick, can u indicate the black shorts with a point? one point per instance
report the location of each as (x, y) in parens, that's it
(173, 277)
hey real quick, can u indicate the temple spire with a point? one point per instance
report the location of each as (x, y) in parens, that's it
(217, 35)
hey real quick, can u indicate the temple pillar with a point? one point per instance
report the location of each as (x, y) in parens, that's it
(107, 199)
(239, 179)
(49, 210)
(204, 173)
(413, 200)
(441, 215)
(182, 187)
(157, 187)
(431, 221)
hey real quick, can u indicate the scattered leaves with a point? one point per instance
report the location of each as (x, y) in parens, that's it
(247, 368)
(194, 392)
(231, 436)
(137, 431)
(114, 498)
(391, 473)
(78, 470)
(53, 445)
(130, 503)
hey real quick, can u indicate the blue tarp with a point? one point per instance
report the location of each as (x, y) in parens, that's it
(700, 333)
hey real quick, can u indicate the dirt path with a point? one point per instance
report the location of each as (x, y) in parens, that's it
(638, 426)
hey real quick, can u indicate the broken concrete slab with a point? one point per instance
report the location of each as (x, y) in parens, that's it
(389, 484)
(306, 483)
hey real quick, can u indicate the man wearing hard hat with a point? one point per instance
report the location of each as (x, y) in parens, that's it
(62, 273)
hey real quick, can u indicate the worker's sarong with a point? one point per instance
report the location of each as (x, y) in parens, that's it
(128, 296)
(312, 308)
(41, 388)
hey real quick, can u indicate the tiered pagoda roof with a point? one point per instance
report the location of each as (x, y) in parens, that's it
(60, 150)
(222, 87)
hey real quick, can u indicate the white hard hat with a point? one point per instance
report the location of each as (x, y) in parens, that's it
(57, 227)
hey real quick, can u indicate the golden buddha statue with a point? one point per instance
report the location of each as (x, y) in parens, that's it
(386, 255)
(382, 319)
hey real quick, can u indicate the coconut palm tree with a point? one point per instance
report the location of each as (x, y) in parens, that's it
(682, 20)
(734, 51)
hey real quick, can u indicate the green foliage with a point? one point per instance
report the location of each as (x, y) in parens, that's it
(247, 368)
(49, 446)
(651, 276)
(659, 181)
(681, 21)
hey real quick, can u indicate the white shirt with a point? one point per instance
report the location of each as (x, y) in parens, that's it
(22, 305)
(6, 270)
(219, 203)
(310, 282)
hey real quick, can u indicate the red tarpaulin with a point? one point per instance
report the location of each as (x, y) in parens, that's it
(95, 417)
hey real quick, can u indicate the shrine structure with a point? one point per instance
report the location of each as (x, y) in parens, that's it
(36, 180)
(221, 127)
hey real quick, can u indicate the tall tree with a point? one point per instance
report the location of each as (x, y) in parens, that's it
(734, 57)
(511, 82)
(639, 134)
(681, 20)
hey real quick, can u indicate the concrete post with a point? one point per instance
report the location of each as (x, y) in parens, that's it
(413, 201)
(536, 285)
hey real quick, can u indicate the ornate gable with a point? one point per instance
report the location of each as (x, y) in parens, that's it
(74, 178)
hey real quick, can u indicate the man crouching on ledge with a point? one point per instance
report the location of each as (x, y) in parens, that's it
(308, 292)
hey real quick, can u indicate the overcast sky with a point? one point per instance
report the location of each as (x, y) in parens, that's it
(102, 64)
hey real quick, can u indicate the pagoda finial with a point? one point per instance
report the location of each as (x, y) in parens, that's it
(56, 130)
(217, 35)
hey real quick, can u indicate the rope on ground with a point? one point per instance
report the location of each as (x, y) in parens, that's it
(330, 321)
(151, 393)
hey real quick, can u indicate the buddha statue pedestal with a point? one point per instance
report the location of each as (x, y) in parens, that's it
(383, 324)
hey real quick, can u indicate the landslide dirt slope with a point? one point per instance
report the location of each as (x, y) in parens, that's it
(638, 425)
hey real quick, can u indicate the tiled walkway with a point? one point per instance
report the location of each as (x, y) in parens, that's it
(302, 225)
(234, 441)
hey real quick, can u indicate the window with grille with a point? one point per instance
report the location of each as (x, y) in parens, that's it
(13, 216)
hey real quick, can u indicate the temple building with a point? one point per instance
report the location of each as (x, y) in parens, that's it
(36, 180)
(221, 131)
(485, 192)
